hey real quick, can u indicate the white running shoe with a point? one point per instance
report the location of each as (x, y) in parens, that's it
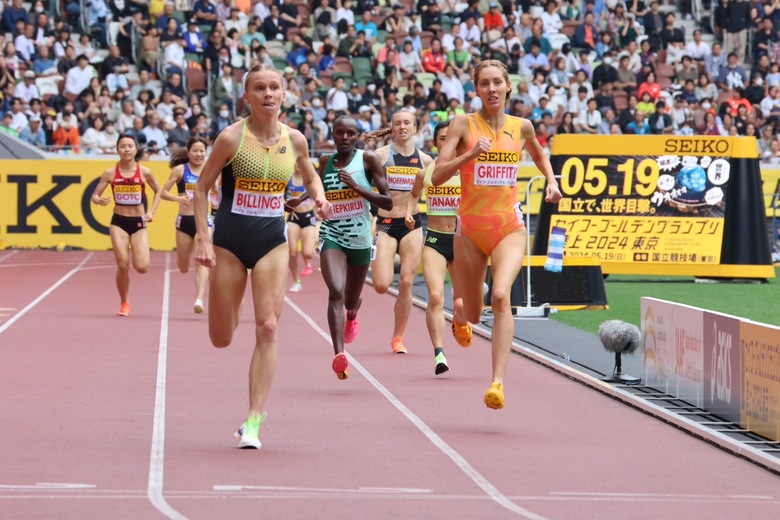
(296, 287)
(248, 433)
(198, 307)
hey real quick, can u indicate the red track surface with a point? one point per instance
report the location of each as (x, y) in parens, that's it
(78, 388)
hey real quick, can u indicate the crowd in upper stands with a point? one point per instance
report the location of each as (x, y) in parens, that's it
(72, 79)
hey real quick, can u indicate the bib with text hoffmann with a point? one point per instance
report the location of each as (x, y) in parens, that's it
(259, 198)
(401, 178)
(129, 195)
(346, 204)
(496, 169)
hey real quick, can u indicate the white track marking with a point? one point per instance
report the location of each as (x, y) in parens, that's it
(426, 430)
(43, 295)
(154, 489)
(325, 491)
(9, 255)
(46, 486)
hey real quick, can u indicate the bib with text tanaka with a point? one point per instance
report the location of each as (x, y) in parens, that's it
(442, 200)
(259, 198)
(496, 169)
(346, 204)
(401, 178)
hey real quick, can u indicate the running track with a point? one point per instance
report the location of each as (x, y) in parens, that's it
(134, 418)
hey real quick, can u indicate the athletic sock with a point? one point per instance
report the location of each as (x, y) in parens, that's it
(437, 351)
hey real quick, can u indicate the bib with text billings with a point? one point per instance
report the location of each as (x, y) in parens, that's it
(442, 200)
(131, 195)
(258, 198)
(346, 204)
(401, 178)
(496, 169)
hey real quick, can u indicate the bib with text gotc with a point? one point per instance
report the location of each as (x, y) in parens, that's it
(128, 195)
(442, 200)
(401, 178)
(346, 204)
(496, 169)
(258, 198)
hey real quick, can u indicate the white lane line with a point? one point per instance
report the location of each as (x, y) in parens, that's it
(296, 490)
(426, 430)
(46, 486)
(154, 488)
(586, 494)
(9, 255)
(43, 295)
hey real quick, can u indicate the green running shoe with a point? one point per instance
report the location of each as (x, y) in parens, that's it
(249, 432)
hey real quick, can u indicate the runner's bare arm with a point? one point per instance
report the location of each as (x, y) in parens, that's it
(373, 169)
(105, 180)
(552, 192)
(224, 149)
(448, 161)
(416, 190)
(165, 194)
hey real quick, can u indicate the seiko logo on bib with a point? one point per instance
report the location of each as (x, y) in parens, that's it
(496, 169)
(258, 198)
(442, 199)
(128, 195)
(401, 178)
(346, 204)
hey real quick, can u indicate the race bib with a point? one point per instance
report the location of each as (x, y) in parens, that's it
(189, 189)
(442, 199)
(401, 178)
(346, 204)
(496, 169)
(258, 198)
(128, 195)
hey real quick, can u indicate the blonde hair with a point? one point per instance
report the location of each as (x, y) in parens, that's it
(383, 132)
(493, 63)
(260, 67)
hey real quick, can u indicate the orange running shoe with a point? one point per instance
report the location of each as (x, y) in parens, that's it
(462, 333)
(339, 365)
(398, 346)
(124, 309)
(494, 396)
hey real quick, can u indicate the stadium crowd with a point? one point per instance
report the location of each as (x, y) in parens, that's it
(74, 77)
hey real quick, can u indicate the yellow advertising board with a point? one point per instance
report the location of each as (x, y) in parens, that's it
(46, 203)
(661, 204)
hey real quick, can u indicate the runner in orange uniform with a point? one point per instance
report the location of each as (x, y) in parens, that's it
(486, 148)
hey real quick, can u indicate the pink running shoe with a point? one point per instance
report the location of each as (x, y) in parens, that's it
(350, 330)
(340, 365)
(306, 271)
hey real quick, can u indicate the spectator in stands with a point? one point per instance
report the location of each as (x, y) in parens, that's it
(33, 134)
(732, 75)
(193, 39)
(43, 65)
(84, 46)
(535, 59)
(587, 34)
(115, 69)
(737, 24)
(25, 45)
(605, 45)
(589, 119)
(169, 11)
(174, 84)
(6, 128)
(180, 133)
(626, 78)
(93, 140)
(345, 17)
(13, 14)
(715, 61)
(98, 19)
(605, 127)
(670, 33)
(763, 39)
(125, 119)
(79, 77)
(274, 28)
(152, 130)
(731, 106)
(336, 99)
(66, 134)
(710, 126)
(659, 121)
(173, 57)
(605, 72)
(650, 86)
(697, 49)
(757, 89)
(434, 60)
(705, 89)
(638, 126)
(204, 13)
(367, 25)
(431, 19)
(688, 71)
(26, 89)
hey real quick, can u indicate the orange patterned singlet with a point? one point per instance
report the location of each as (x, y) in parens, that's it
(488, 209)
